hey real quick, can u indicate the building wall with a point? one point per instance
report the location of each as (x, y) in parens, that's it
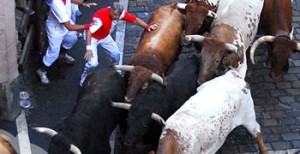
(9, 85)
(8, 50)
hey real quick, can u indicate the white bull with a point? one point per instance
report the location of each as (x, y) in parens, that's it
(202, 124)
(232, 31)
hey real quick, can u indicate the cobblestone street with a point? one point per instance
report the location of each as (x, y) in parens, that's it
(277, 102)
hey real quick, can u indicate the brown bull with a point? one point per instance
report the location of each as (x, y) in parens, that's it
(200, 14)
(157, 50)
(216, 56)
(276, 23)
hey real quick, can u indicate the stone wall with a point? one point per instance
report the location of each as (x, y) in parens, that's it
(8, 61)
(8, 50)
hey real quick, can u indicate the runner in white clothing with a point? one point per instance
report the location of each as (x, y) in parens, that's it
(61, 32)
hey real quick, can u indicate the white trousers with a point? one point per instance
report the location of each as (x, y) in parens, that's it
(111, 49)
(57, 37)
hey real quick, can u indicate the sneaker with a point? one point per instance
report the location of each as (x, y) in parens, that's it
(68, 59)
(43, 75)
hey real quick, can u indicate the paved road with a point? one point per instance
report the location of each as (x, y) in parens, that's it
(276, 102)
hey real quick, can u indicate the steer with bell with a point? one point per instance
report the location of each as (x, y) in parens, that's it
(276, 23)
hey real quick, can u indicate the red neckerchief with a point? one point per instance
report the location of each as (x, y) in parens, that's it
(65, 1)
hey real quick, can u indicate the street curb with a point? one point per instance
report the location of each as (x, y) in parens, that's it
(120, 30)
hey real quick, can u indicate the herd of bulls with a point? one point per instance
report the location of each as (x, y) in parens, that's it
(167, 105)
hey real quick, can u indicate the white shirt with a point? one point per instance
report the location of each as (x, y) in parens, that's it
(59, 13)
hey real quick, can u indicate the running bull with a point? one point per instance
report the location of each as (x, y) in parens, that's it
(143, 130)
(201, 124)
(276, 23)
(231, 33)
(87, 130)
(157, 50)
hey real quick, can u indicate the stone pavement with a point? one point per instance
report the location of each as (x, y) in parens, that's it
(277, 102)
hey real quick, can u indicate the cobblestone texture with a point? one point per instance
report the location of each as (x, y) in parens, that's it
(276, 101)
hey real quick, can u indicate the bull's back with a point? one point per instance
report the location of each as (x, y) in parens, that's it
(243, 17)
(92, 114)
(203, 109)
(276, 15)
(165, 40)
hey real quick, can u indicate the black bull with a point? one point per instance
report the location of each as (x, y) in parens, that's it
(93, 119)
(142, 133)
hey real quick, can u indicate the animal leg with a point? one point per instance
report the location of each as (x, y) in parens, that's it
(254, 130)
(262, 148)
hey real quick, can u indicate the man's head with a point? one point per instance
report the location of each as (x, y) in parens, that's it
(115, 11)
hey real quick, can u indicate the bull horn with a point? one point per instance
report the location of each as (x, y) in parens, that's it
(120, 105)
(45, 130)
(233, 48)
(158, 118)
(157, 78)
(196, 38)
(212, 14)
(52, 132)
(298, 46)
(75, 149)
(123, 67)
(259, 41)
(181, 6)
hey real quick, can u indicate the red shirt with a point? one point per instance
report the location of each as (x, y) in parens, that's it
(106, 22)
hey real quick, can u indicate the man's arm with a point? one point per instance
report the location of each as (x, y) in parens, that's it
(94, 26)
(133, 19)
(74, 27)
(88, 54)
(140, 22)
(79, 2)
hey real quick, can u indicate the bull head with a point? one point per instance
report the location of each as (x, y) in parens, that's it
(139, 121)
(139, 78)
(196, 19)
(281, 50)
(215, 57)
(52, 133)
(196, 13)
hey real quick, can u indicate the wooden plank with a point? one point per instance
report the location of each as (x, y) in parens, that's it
(22, 29)
(27, 45)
